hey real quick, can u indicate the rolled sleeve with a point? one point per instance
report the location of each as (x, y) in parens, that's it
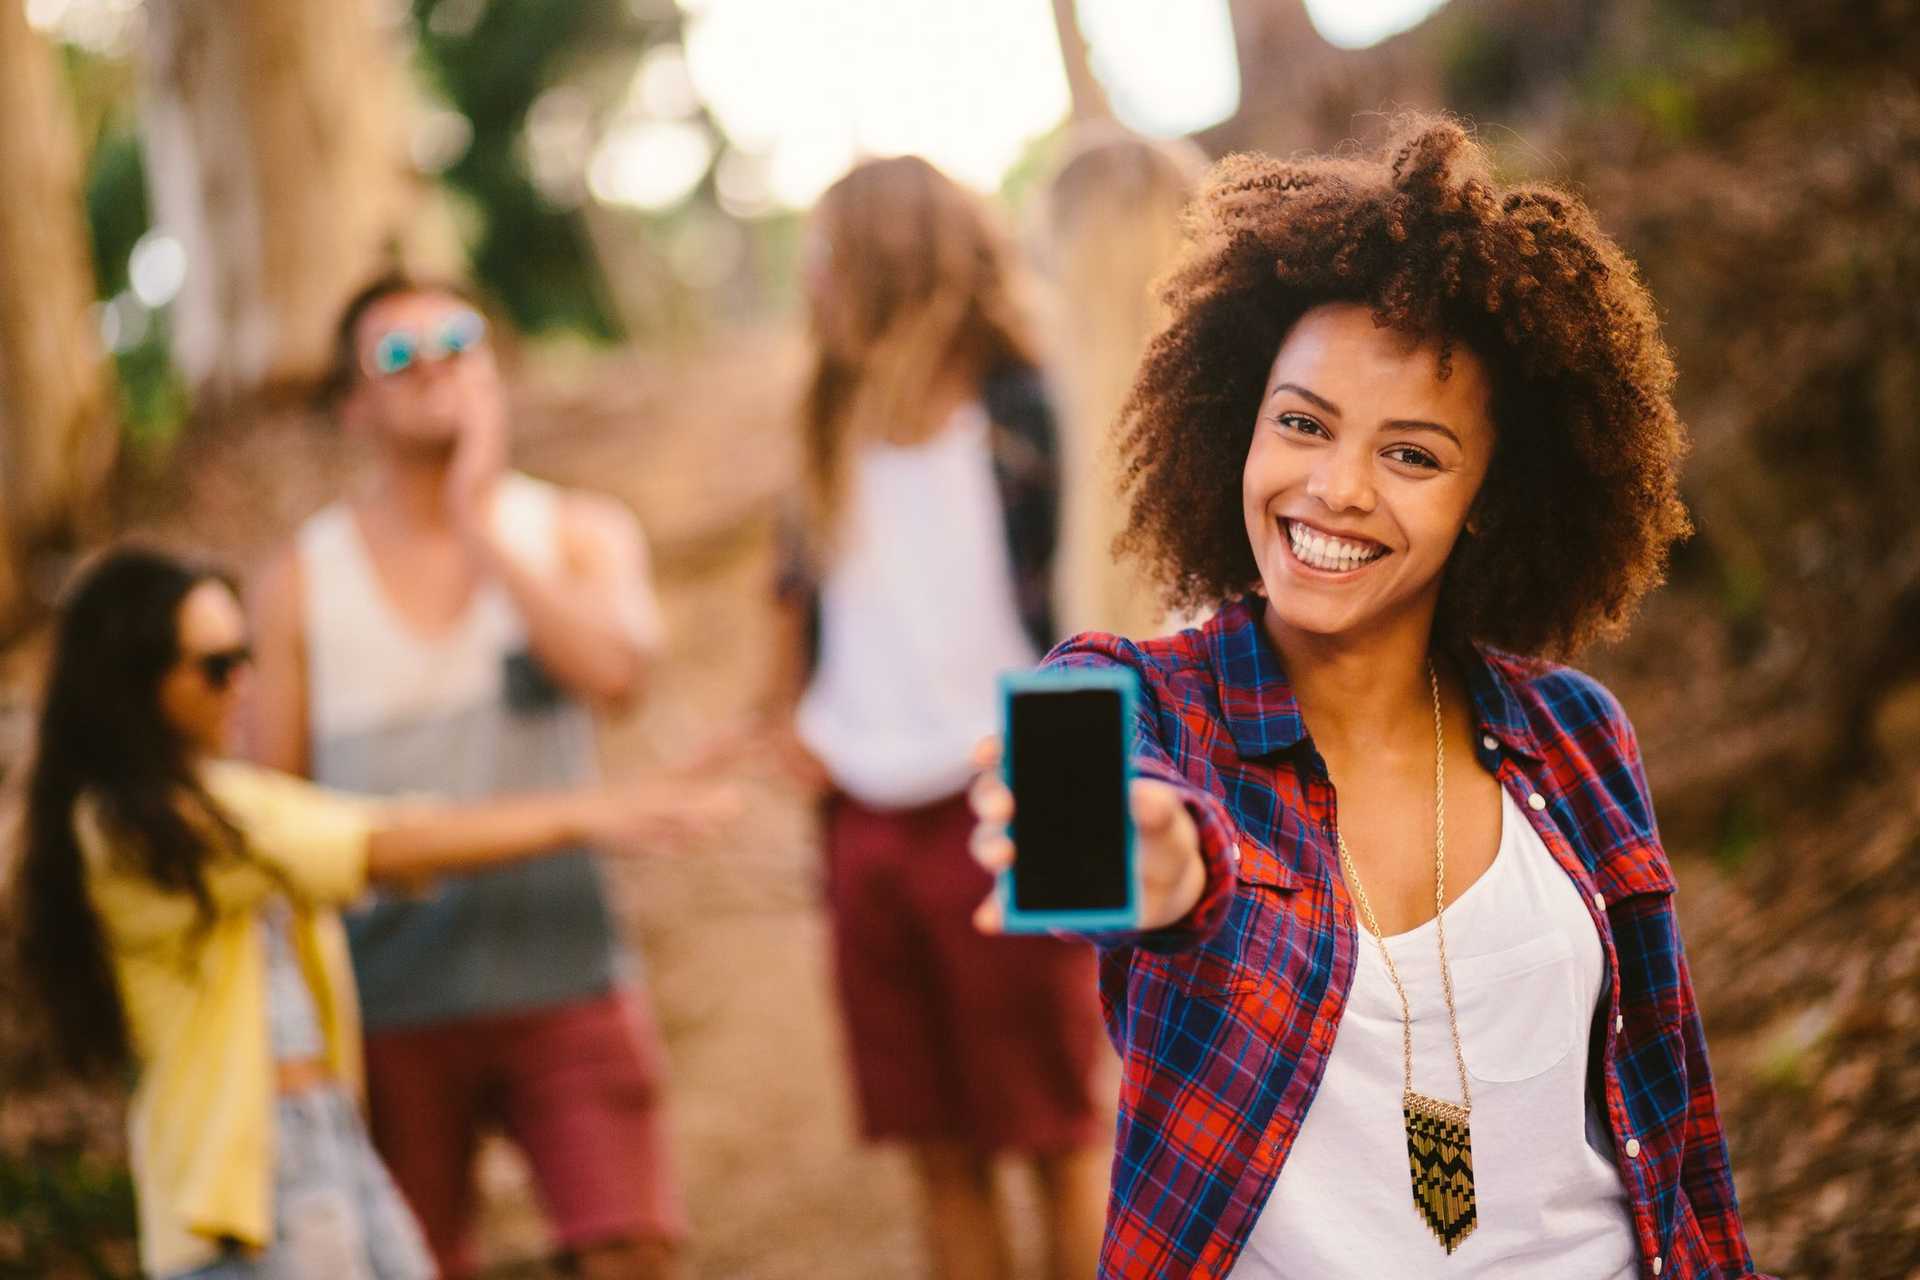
(313, 840)
(1219, 854)
(1153, 757)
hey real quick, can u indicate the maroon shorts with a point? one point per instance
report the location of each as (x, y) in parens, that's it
(577, 1087)
(954, 1036)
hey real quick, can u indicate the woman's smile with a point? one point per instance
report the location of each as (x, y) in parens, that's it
(1326, 554)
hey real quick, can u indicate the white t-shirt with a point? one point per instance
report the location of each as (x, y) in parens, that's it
(917, 620)
(1527, 971)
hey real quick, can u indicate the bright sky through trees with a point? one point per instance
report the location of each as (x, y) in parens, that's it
(802, 87)
(1354, 24)
(808, 85)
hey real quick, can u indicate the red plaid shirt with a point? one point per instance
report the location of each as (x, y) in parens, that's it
(1224, 1022)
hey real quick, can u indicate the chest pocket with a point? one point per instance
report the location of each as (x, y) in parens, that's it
(1637, 885)
(1517, 1008)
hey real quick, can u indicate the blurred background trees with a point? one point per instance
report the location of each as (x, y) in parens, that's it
(276, 168)
(56, 436)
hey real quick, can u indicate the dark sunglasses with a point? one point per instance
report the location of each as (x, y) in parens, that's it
(218, 668)
(398, 350)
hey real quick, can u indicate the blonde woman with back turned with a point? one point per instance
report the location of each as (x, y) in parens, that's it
(1110, 226)
(919, 570)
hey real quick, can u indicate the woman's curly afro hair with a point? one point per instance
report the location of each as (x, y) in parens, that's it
(1580, 505)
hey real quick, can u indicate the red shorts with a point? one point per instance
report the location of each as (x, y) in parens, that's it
(577, 1087)
(954, 1036)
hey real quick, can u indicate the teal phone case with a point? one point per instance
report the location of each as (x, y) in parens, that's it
(1127, 685)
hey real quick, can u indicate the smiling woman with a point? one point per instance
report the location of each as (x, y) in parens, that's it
(1532, 324)
(1342, 483)
(1412, 425)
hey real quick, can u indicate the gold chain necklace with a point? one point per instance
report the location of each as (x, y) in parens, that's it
(1439, 1142)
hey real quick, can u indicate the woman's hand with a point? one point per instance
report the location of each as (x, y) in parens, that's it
(664, 810)
(764, 746)
(1166, 844)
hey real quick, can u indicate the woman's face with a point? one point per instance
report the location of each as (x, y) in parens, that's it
(1363, 468)
(200, 695)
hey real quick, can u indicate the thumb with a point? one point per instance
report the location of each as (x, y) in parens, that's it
(1154, 809)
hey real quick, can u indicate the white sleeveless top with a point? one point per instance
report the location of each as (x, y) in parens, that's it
(917, 620)
(461, 715)
(1527, 973)
(367, 667)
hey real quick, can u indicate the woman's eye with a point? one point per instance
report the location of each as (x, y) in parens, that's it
(1414, 457)
(1300, 422)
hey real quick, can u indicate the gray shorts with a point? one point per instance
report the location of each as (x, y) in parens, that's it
(337, 1215)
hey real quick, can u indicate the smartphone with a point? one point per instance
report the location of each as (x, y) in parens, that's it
(1065, 757)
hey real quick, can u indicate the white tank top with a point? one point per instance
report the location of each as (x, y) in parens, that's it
(460, 715)
(917, 619)
(1527, 972)
(368, 667)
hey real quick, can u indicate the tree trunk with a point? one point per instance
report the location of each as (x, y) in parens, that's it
(57, 435)
(1089, 99)
(275, 137)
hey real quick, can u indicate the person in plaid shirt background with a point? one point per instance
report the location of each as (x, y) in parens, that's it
(1414, 427)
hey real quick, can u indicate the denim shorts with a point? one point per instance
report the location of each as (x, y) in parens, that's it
(337, 1215)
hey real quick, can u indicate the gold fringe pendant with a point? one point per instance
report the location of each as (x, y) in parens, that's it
(1440, 1153)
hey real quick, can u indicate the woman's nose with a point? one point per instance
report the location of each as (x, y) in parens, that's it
(1343, 481)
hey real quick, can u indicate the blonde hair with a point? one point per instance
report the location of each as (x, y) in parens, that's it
(1111, 226)
(925, 278)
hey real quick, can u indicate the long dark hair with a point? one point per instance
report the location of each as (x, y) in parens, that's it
(102, 735)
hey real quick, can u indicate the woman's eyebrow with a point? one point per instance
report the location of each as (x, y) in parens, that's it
(1417, 424)
(1325, 405)
(1392, 424)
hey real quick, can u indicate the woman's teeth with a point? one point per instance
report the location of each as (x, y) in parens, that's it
(1334, 555)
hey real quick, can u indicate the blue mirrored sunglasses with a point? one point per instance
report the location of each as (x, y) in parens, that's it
(399, 350)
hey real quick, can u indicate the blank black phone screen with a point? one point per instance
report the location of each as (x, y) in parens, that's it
(1068, 755)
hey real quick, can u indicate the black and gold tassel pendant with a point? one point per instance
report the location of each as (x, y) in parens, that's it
(1440, 1152)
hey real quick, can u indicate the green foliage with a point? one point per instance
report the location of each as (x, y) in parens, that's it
(1743, 829)
(1673, 83)
(1037, 159)
(1480, 70)
(117, 214)
(1784, 1067)
(65, 1213)
(492, 61)
(153, 399)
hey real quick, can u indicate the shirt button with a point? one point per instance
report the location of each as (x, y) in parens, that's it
(1656, 1266)
(1599, 904)
(1490, 742)
(1536, 802)
(1633, 1148)
(1619, 1023)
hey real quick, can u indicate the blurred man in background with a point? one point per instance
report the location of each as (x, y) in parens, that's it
(451, 630)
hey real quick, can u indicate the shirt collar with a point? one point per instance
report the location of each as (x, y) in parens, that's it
(1262, 717)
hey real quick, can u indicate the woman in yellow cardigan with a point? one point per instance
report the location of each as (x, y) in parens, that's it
(178, 916)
